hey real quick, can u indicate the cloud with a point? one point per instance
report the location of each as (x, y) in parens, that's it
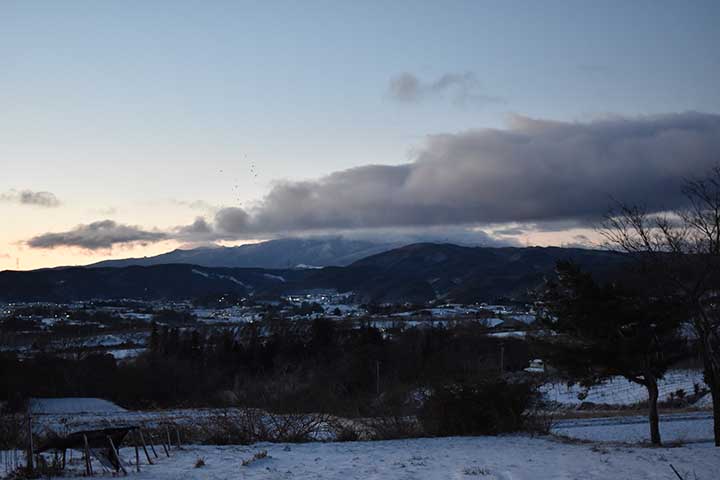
(460, 88)
(30, 197)
(233, 220)
(539, 172)
(405, 87)
(107, 211)
(97, 235)
(460, 235)
(199, 227)
(511, 231)
(196, 204)
(534, 176)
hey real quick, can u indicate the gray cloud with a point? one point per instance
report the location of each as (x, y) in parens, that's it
(97, 235)
(460, 235)
(461, 88)
(536, 175)
(405, 87)
(511, 231)
(30, 197)
(199, 227)
(233, 220)
(537, 171)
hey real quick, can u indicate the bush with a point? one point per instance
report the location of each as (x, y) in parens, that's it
(486, 408)
(241, 427)
(247, 426)
(12, 431)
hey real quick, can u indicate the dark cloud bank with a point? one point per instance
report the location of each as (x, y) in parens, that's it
(97, 235)
(536, 171)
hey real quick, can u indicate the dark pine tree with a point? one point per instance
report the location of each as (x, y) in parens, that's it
(597, 331)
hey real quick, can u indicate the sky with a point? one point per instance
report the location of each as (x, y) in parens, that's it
(133, 128)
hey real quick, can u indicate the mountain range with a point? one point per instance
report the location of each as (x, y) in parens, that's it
(414, 273)
(281, 253)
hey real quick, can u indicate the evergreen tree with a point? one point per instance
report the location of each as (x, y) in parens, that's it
(594, 332)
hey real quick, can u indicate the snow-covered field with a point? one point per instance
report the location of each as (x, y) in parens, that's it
(620, 391)
(506, 457)
(617, 450)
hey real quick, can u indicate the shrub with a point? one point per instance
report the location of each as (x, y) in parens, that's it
(237, 427)
(12, 431)
(293, 428)
(489, 407)
(394, 427)
(246, 426)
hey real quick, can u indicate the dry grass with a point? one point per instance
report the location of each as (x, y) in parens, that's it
(258, 456)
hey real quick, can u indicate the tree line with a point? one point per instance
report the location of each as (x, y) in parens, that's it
(282, 365)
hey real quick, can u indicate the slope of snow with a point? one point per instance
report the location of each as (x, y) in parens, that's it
(620, 391)
(278, 278)
(232, 279)
(507, 458)
(198, 272)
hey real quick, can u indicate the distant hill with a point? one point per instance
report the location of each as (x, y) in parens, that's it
(282, 253)
(157, 282)
(414, 273)
(466, 274)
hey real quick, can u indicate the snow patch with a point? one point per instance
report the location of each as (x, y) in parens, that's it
(72, 405)
(274, 277)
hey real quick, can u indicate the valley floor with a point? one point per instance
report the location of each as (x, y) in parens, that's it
(505, 457)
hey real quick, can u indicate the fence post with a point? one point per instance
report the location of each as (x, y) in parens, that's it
(142, 439)
(117, 456)
(177, 437)
(88, 461)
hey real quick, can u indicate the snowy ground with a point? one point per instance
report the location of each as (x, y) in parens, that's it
(509, 457)
(620, 391)
(676, 427)
(74, 406)
(615, 451)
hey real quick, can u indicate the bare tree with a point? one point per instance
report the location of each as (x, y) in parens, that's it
(679, 252)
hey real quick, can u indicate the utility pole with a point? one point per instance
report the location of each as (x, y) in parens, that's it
(502, 357)
(377, 377)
